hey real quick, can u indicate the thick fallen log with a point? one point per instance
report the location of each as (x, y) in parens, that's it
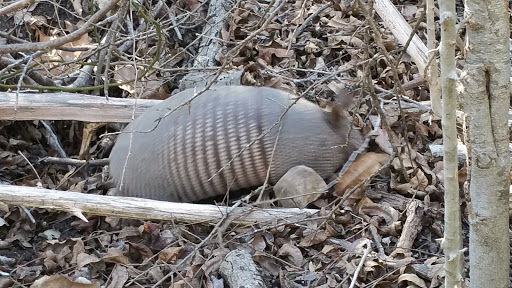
(137, 208)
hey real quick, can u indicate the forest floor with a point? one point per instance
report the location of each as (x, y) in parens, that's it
(384, 234)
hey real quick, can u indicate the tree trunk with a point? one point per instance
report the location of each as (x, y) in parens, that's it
(486, 99)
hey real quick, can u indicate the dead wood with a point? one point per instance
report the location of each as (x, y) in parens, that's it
(396, 23)
(210, 46)
(82, 107)
(239, 270)
(69, 106)
(138, 208)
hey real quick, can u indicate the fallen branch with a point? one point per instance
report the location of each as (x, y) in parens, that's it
(209, 47)
(73, 106)
(437, 150)
(396, 23)
(240, 270)
(15, 6)
(138, 208)
(75, 162)
(69, 106)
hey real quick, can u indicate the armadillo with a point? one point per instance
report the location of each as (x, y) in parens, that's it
(225, 139)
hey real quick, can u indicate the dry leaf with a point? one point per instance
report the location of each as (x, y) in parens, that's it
(119, 277)
(363, 167)
(419, 181)
(171, 254)
(386, 212)
(116, 256)
(422, 129)
(59, 281)
(140, 248)
(258, 242)
(266, 53)
(84, 259)
(316, 237)
(412, 278)
(54, 57)
(292, 252)
(149, 87)
(383, 141)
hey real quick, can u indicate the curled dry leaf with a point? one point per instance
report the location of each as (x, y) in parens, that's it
(252, 75)
(362, 168)
(416, 167)
(266, 52)
(422, 129)
(169, 255)
(412, 278)
(59, 254)
(50, 261)
(140, 248)
(406, 160)
(292, 252)
(84, 259)
(422, 162)
(435, 129)
(386, 212)
(332, 229)
(417, 184)
(258, 242)
(432, 268)
(419, 181)
(163, 239)
(316, 237)
(375, 268)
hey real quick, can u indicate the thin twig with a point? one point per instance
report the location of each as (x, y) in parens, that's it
(75, 35)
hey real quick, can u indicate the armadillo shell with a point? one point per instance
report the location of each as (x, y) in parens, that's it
(217, 143)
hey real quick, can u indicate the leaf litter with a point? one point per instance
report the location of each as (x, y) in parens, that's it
(398, 212)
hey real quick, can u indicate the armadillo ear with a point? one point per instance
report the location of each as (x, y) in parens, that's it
(335, 114)
(346, 93)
